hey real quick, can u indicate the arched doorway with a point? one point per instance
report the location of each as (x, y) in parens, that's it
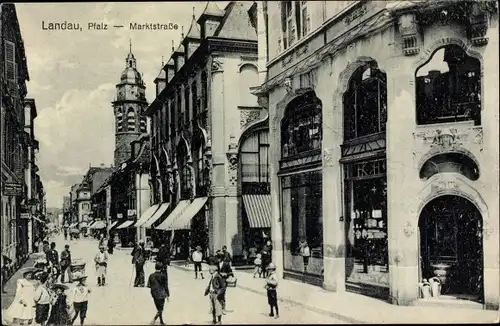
(451, 246)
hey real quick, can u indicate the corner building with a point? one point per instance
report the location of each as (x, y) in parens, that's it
(384, 145)
(209, 138)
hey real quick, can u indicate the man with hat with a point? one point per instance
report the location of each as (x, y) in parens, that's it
(215, 290)
(80, 296)
(158, 283)
(101, 264)
(225, 271)
(197, 257)
(65, 263)
(42, 298)
(139, 260)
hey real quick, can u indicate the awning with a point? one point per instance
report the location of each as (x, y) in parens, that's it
(38, 219)
(181, 206)
(91, 225)
(258, 208)
(72, 225)
(125, 224)
(156, 216)
(113, 224)
(84, 225)
(99, 225)
(147, 215)
(183, 221)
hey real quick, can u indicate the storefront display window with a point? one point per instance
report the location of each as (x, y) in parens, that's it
(366, 201)
(303, 220)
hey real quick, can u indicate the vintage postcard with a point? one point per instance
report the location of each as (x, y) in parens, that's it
(250, 162)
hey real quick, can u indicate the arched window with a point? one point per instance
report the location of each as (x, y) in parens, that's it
(194, 94)
(184, 171)
(301, 126)
(186, 103)
(119, 121)
(204, 88)
(448, 88)
(200, 170)
(131, 120)
(248, 78)
(365, 102)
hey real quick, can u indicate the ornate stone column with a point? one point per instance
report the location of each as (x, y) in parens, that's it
(233, 222)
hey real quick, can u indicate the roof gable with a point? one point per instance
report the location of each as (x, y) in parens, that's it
(236, 23)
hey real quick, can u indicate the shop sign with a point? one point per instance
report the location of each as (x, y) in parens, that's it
(25, 216)
(131, 212)
(12, 189)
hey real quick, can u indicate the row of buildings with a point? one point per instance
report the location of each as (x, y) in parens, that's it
(23, 201)
(301, 121)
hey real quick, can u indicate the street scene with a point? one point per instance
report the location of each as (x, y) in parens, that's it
(261, 162)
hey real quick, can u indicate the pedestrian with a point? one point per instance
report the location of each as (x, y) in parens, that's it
(258, 266)
(65, 263)
(158, 283)
(6, 264)
(139, 260)
(225, 270)
(215, 291)
(45, 246)
(60, 304)
(22, 309)
(272, 295)
(42, 298)
(65, 228)
(53, 259)
(111, 245)
(305, 252)
(266, 257)
(163, 256)
(227, 255)
(197, 257)
(80, 298)
(101, 265)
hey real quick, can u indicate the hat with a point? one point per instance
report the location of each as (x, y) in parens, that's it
(60, 286)
(79, 277)
(219, 253)
(271, 266)
(198, 247)
(29, 270)
(40, 274)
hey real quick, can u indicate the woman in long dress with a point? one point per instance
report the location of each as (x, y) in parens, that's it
(60, 305)
(22, 309)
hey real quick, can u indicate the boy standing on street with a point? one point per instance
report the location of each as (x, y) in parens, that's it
(272, 295)
(197, 257)
(215, 290)
(80, 299)
(158, 283)
(42, 299)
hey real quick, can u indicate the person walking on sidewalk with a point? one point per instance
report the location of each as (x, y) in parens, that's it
(158, 283)
(197, 257)
(59, 311)
(139, 260)
(22, 309)
(65, 263)
(53, 259)
(42, 298)
(111, 244)
(215, 290)
(225, 271)
(163, 256)
(272, 295)
(101, 265)
(80, 300)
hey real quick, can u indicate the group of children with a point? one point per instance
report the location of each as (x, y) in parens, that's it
(36, 299)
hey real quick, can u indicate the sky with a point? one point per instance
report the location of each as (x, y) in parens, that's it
(73, 76)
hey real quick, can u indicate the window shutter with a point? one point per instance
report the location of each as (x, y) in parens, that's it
(10, 66)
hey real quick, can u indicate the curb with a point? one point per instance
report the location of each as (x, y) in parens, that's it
(296, 303)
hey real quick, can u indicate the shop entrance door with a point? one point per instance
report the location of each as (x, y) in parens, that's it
(451, 246)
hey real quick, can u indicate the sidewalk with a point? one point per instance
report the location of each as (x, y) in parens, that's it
(356, 308)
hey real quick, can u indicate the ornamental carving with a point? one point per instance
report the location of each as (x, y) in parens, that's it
(288, 83)
(478, 21)
(398, 258)
(248, 116)
(327, 155)
(216, 65)
(409, 230)
(263, 101)
(410, 36)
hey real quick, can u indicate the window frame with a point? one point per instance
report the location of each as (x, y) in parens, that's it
(131, 116)
(305, 24)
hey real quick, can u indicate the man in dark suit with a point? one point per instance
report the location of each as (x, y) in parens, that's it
(158, 283)
(225, 271)
(52, 257)
(163, 256)
(215, 289)
(139, 260)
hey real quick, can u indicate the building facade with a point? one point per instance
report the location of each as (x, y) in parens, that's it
(204, 118)
(367, 98)
(14, 141)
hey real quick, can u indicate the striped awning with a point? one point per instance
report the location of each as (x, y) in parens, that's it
(91, 224)
(84, 224)
(113, 224)
(125, 224)
(147, 215)
(156, 216)
(181, 206)
(99, 225)
(38, 219)
(258, 209)
(183, 221)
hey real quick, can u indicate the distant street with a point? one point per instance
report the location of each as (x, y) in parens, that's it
(119, 303)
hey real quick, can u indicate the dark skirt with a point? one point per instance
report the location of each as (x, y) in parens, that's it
(42, 313)
(272, 297)
(59, 314)
(159, 303)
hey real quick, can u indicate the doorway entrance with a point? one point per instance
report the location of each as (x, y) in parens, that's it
(451, 246)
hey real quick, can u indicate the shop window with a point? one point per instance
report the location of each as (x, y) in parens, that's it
(366, 207)
(448, 88)
(302, 209)
(301, 126)
(365, 103)
(254, 158)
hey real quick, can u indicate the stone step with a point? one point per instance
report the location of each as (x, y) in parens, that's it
(449, 302)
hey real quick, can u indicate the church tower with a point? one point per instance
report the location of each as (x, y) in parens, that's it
(128, 107)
